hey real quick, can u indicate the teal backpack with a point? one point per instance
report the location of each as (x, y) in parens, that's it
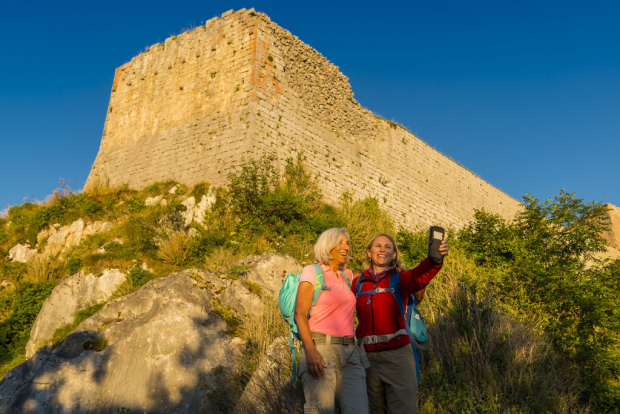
(288, 298)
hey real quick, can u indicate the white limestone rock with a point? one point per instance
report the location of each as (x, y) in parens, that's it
(152, 201)
(73, 294)
(195, 212)
(21, 253)
(161, 342)
(269, 271)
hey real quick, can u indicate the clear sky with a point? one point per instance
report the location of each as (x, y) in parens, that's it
(526, 94)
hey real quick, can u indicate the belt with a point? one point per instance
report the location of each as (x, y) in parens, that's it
(323, 339)
(378, 339)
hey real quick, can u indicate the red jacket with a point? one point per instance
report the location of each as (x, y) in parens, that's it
(381, 315)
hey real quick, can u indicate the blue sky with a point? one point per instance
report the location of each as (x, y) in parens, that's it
(524, 94)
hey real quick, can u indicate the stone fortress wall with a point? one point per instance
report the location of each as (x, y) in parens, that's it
(208, 100)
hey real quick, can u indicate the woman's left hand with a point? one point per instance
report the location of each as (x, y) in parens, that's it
(443, 248)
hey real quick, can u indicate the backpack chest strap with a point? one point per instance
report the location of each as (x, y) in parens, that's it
(379, 339)
(373, 292)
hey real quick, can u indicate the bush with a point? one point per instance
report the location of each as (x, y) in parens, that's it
(545, 269)
(135, 204)
(282, 207)
(74, 265)
(199, 190)
(138, 276)
(44, 269)
(26, 303)
(363, 219)
(249, 186)
(90, 207)
(483, 360)
(13, 271)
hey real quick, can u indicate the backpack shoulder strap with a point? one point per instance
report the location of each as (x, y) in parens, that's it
(319, 285)
(346, 278)
(359, 286)
(395, 285)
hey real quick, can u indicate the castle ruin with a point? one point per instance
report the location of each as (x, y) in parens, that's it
(196, 107)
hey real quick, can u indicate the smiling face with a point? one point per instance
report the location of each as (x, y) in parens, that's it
(340, 253)
(382, 252)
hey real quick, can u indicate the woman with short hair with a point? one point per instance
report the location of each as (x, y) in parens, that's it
(391, 380)
(331, 365)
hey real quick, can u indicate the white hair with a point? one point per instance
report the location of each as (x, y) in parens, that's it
(327, 241)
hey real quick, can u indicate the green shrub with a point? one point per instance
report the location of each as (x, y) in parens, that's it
(199, 190)
(545, 268)
(249, 186)
(159, 187)
(13, 271)
(90, 207)
(138, 277)
(282, 207)
(412, 247)
(140, 233)
(27, 300)
(204, 244)
(74, 265)
(135, 204)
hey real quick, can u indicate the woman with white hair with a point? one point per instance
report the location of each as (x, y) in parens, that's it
(331, 365)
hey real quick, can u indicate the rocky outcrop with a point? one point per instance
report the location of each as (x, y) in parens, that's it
(261, 277)
(56, 240)
(61, 238)
(269, 271)
(145, 352)
(195, 211)
(22, 253)
(239, 297)
(73, 294)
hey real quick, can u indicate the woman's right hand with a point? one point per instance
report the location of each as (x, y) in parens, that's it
(315, 363)
(314, 360)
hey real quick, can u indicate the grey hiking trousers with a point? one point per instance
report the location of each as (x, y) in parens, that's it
(392, 382)
(344, 382)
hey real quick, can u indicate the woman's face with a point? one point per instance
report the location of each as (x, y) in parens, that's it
(382, 252)
(340, 253)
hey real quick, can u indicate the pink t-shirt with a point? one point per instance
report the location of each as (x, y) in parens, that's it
(333, 313)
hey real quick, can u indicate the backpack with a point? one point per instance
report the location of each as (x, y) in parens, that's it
(413, 320)
(288, 297)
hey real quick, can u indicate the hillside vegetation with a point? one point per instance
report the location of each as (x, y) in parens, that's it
(523, 318)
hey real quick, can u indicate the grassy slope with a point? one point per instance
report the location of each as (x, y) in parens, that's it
(482, 359)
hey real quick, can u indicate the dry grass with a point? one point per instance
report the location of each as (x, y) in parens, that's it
(264, 329)
(261, 384)
(43, 269)
(481, 358)
(174, 248)
(222, 257)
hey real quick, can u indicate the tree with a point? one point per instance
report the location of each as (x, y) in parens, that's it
(546, 269)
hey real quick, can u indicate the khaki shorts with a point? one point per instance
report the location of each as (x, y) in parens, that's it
(344, 382)
(392, 382)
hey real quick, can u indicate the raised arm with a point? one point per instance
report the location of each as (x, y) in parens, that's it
(417, 279)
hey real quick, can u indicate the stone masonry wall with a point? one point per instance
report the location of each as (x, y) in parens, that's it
(306, 104)
(242, 86)
(613, 235)
(178, 111)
